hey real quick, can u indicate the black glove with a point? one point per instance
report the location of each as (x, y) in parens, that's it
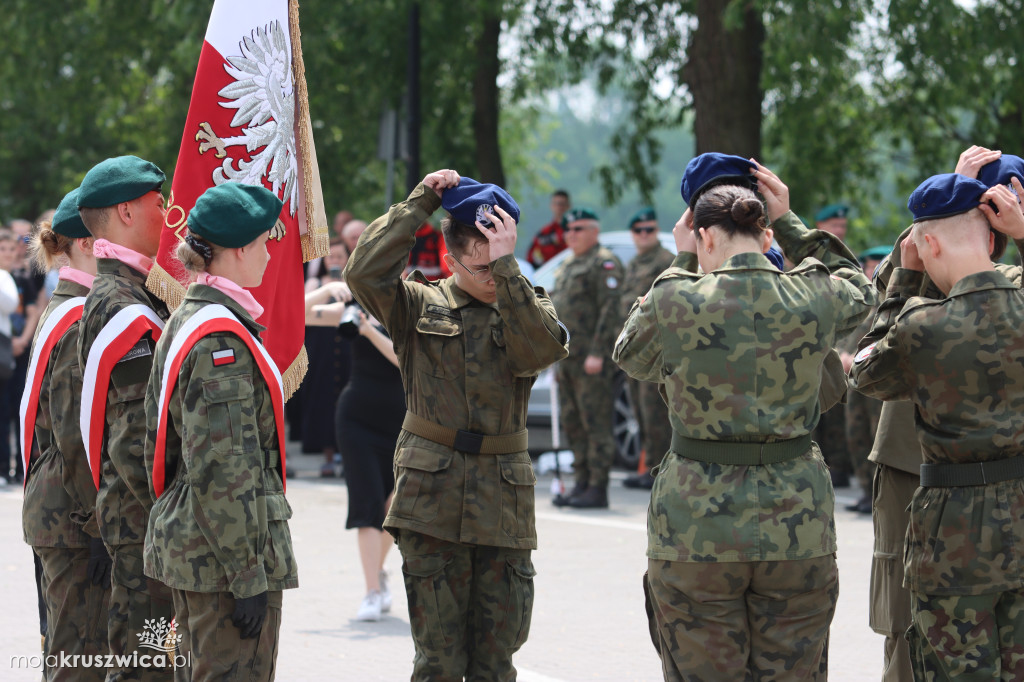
(98, 568)
(249, 615)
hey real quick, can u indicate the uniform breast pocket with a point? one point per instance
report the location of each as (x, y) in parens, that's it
(230, 412)
(439, 347)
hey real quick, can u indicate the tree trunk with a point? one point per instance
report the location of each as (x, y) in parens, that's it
(485, 103)
(723, 73)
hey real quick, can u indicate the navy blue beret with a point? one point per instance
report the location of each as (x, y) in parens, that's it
(775, 256)
(1001, 170)
(710, 169)
(468, 201)
(945, 195)
(67, 220)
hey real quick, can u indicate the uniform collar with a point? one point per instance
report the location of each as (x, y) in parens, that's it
(747, 261)
(457, 298)
(981, 281)
(70, 274)
(208, 294)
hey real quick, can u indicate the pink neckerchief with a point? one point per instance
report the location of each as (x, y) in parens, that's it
(237, 293)
(102, 248)
(69, 274)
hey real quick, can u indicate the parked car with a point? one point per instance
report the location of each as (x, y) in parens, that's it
(625, 426)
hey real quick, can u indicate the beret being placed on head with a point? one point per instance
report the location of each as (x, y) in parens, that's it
(875, 253)
(574, 214)
(776, 257)
(945, 195)
(469, 200)
(832, 211)
(710, 169)
(66, 219)
(233, 215)
(121, 178)
(644, 215)
(1001, 170)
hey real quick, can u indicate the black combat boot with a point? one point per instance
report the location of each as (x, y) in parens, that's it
(564, 500)
(644, 480)
(595, 497)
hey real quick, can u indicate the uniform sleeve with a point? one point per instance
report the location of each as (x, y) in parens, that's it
(222, 458)
(606, 283)
(374, 270)
(126, 421)
(65, 406)
(853, 291)
(881, 369)
(534, 338)
(685, 260)
(639, 350)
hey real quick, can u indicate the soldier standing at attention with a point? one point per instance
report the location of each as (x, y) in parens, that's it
(469, 348)
(650, 261)
(742, 577)
(122, 206)
(60, 499)
(587, 286)
(960, 362)
(218, 533)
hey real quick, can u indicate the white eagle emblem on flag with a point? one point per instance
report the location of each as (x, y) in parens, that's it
(264, 96)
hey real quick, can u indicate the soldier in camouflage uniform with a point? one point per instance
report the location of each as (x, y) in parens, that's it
(218, 533)
(959, 361)
(60, 499)
(742, 579)
(587, 286)
(469, 349)
(650, 261)
(122, 206)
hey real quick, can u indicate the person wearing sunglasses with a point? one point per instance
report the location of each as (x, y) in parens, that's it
(650, 261)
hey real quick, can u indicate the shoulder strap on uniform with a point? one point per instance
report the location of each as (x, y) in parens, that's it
(112, 343)
(208, 320)
(56, 325)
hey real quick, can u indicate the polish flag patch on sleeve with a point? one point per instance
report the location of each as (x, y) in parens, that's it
(223, 357)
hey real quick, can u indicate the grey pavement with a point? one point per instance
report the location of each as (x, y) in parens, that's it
(588, 619)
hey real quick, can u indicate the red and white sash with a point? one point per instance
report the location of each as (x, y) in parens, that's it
(208, 320)
(117, 337)
(57, 324)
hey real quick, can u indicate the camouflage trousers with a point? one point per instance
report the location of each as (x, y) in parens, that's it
(211, 641)
(469, 607)
(968, 638)
(585, 407)
(764, 620)
(76, 611)
(652, 413)
(830, 435)
(862, 415)
(889, 609)
(134, 599)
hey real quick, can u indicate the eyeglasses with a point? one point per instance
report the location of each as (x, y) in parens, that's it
(483, 275)
(642, 230)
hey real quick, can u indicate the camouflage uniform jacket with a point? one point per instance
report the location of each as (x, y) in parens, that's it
(60, 498)
(960, 360)
(641, 273)
(123, 500)
(587, 297)
(740, 354)
(221, 524)
(465, 365)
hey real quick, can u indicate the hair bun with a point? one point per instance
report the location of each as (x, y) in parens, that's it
(746, 211)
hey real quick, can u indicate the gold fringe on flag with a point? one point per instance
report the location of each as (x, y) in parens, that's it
(291, 378)
(166, 288)
(315, 240)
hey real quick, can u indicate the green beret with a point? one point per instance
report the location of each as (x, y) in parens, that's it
(66, 219)
(121, 178)
(233, 215)
(875, 253)
(831, 211)
(644, 215)
(574, 214)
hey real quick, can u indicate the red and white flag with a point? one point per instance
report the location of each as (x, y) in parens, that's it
(248, 122)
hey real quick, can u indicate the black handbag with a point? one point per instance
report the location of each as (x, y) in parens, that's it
(6, 357)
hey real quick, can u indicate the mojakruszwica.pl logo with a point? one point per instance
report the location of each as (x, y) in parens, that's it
(160, 636)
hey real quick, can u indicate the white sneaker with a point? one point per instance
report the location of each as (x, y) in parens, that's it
(370, 609)
(385, 593)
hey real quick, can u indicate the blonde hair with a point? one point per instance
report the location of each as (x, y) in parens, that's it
(46, 247)
(195, 253)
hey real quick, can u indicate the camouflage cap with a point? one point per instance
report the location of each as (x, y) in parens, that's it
(945, 195)
(1001, 170)
(118, 179)
(644, 215)
(66, 219)
(467, 201)
(832, 211)
(233, 215)
(574, 214)
(707, 170)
